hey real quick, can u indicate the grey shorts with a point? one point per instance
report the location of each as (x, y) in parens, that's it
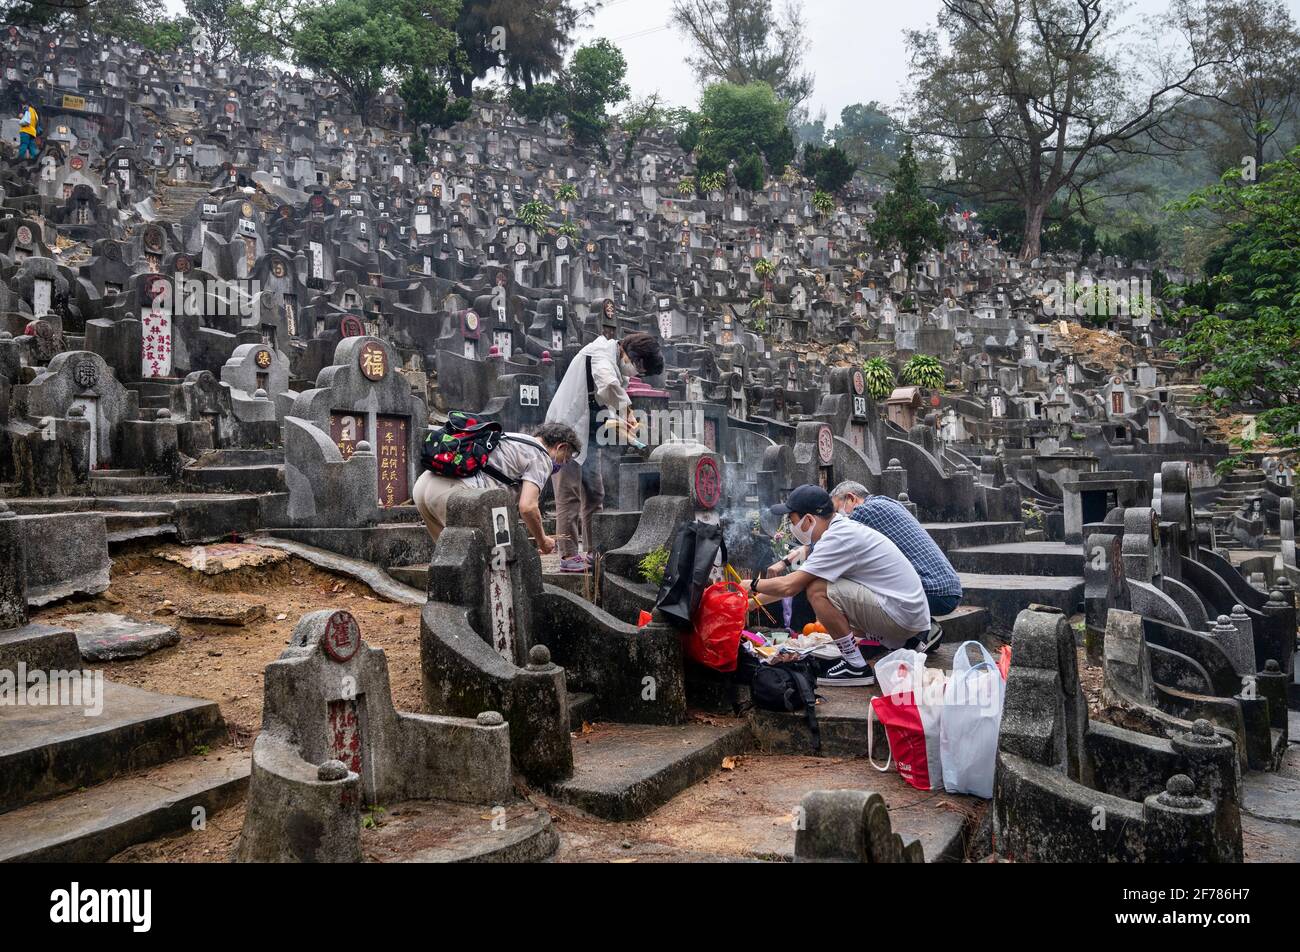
(865, 613)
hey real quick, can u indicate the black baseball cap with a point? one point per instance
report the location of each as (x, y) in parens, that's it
(806, 500)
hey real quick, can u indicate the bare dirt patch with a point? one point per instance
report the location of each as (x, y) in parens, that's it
(224, 662)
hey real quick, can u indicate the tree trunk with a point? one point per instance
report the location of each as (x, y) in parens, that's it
(1035, 212)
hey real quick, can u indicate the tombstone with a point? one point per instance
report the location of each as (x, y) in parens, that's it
(332, 744)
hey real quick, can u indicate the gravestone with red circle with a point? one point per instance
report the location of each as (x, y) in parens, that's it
(342, 636)
(707, 483)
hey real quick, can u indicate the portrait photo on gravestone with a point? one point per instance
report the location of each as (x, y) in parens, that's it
(679, 432)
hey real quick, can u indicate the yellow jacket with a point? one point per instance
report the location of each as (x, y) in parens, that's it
(28, 121)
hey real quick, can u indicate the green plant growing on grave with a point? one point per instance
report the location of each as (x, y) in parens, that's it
(713, 181)
(566, 192)
(823, 202)
(686, 187)
(534, 213)
(567, 228)
(1076, 435)
(764, 269)
(372, 816)
(759, 307)
(654, 565)
(922, 370)
(880, 378)
(201, 750)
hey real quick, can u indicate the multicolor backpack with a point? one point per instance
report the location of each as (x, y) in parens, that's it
(462, 448)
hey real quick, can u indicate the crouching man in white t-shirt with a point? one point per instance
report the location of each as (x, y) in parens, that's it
(857, 582)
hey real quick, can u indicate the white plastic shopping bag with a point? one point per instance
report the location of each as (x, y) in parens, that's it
(972, 716)
(911, 716)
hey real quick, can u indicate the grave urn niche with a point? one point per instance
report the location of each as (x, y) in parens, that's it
(352, 444)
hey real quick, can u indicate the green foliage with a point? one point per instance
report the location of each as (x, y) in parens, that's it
(830, 167)
(880, 377)
(594, 82)
(567, 228)
(823, 202)
(527, 39)
(534, 214)
(686, 187)
(426, 100)
(363, 44)
(566, 192)
(1244, 312)
(750, 174)
(764, 269)
(541, 102)
(713, 181)
(922, 370)
(735, 122)
(869, 138)
(654, 565)
(906, 219)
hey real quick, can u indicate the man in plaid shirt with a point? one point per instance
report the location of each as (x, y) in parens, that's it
(892, 520)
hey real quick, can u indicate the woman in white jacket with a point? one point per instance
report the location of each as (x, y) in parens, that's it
(594, 391)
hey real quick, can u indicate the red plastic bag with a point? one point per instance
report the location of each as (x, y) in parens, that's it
(1004, 661)
(714, 640)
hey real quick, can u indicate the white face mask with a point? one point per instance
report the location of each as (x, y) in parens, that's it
(803, 535)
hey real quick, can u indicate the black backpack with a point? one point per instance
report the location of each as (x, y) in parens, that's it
(788, 687)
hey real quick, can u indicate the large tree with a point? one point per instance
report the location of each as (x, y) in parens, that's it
(1253, 93)
(526, 38)
(745, 41)
(364, 45)
(869, 136)
(217, 20)
(738, 124)
(593, 82)
(1036, 100)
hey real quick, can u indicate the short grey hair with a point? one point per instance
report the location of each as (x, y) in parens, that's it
(849, 487)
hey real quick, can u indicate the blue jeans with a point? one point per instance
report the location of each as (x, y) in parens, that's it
(942, 604)
(26, 141)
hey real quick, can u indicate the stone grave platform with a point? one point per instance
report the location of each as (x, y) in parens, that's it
(626, 771)
(440, 831)
(89, 826)
(50, 750)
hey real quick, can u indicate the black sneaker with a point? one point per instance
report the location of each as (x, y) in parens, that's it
(923, 643)
(844, 673)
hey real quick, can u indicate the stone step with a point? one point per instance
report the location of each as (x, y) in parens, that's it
(958, 535)
(39, 646)
(582, 707)
(240, 457)
(966, 623)
(416, 576)
(89, 826)
(265, 478)
(139, 484)
(1020, 558)
(1005, 596)
(125, 526)
(48, 750)
(627, 771)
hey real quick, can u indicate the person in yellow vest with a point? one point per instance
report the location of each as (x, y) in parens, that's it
(27, 132)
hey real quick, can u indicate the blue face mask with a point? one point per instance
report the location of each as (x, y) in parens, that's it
(555, 467)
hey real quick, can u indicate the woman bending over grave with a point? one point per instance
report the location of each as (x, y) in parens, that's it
(592, 399)
(522, 462)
